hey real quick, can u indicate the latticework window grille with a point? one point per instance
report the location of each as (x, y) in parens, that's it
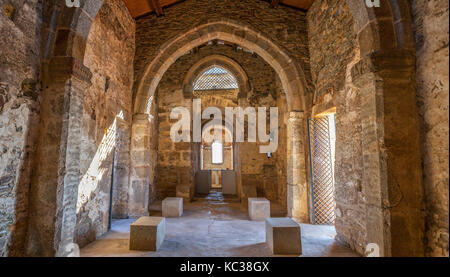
(215, 78)
(322, 181)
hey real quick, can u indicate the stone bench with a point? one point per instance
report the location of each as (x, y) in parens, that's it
(258, 208)
(147, 233)
(172, 207)
(283, 236)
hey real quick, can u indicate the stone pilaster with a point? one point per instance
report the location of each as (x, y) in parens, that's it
(392, 168)
(138, 193)
(54, 190)
(121, 169)
(297, 190)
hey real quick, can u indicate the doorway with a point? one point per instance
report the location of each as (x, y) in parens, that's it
(217, 172)
(216, 177)
(322, 144)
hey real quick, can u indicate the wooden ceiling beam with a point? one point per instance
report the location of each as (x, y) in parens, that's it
(140, 8)
(299, 4)
(155, 5)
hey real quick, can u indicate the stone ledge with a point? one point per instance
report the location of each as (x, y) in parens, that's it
(65, 67)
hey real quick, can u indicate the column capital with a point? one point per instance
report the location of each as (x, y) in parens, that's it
(390, 64)
(62, 68)
(243, 94)
(294, 115)
(188, 91)
(141, 118)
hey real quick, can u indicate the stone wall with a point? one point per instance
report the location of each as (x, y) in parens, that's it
(106, 122)
(281, 154)
(144, 166)
(324, 43)
(430, 23)
(20, 23)
(284, 25)
(334, 50)
(177, 162)
(174, 159)
(333, 44)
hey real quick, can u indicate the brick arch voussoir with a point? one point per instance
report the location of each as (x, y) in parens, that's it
(383, 28)
(68, 28)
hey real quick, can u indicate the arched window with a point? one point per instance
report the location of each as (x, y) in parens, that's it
(215, 77)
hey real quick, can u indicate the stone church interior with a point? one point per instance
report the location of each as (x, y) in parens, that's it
(115, 139)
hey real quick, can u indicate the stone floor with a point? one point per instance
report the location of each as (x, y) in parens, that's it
(214, 227)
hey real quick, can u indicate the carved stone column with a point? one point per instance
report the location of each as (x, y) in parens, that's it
(297, 185)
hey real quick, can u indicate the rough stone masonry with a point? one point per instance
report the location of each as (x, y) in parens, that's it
(77, 148)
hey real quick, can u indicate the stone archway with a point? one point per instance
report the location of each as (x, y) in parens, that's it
(244, 88)
(384, 72)
(67, 32)
(387, 27)
(291, 76)
(390, 134)
(55, 180)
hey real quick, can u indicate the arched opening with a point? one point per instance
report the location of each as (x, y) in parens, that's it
(215, 78)
(376, 52)
(217, 163)
(386, 203)
(82, 154)
(291, 74)
(322, 149)
(292, 82)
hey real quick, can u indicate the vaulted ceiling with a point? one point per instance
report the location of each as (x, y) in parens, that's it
(141, 7)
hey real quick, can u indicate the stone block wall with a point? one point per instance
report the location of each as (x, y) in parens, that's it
(107, 119)
(144, 156)
(284, 25)
(332, 45)
(20, 23)
(280, 156)
(174, 159)
(430, 23)
(323, 42)
(334, 50)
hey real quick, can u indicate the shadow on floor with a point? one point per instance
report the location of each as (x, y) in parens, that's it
(212, 227)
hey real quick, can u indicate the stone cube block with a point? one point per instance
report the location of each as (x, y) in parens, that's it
(147, 233)
(283, 236)
(172, 207)
(258, 208)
